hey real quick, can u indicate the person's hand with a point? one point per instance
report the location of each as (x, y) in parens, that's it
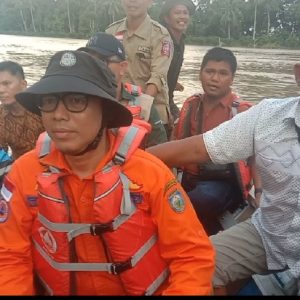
(179, 87)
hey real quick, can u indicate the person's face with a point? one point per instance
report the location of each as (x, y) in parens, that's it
(10, 85)
(73, 132)
(297, 73)
(178, 18)
(216, 78)
(136, 8)
(118, 69)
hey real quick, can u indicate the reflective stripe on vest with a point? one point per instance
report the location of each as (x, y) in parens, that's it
(112, 268)
(51, 260)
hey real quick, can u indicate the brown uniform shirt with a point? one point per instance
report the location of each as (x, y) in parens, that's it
(20, 133)
(149, 53)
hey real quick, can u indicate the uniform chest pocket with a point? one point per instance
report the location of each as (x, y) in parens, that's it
(143, 53)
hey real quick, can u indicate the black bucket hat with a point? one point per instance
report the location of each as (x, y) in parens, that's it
(169, 4)
(106, 45)
(78, 72)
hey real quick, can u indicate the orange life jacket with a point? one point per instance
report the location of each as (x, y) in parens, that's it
(134, 106)
(189, 125)
(128, 232)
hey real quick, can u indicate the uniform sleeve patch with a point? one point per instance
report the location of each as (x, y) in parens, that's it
(4, 210)
(7, 189)
(120, 36)
(166, 48)
(177, 202)
(169, 185)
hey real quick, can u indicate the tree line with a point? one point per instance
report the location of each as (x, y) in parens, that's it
(265, 23)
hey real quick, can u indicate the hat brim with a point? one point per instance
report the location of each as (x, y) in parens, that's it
(72, 84)
(168, 5)
(102, 52)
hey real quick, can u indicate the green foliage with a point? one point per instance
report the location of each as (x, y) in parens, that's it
(231, 22)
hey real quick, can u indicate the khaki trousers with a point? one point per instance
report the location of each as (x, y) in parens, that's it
(239, 254)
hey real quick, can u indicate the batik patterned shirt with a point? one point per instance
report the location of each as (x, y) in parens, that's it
(20, 133)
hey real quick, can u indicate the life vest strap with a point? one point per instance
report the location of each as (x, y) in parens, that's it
(113, 268)
(45, 144)
(127, 206)
(121, 153)
(143, 250)
(73, 267)
(75, 229)
(157, 283)
(118, 268)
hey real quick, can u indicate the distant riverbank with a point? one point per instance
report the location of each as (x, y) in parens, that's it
(261, 73)
(262, 42)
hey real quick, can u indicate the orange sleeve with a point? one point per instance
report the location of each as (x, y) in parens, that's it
(182, 240)
(16, 275)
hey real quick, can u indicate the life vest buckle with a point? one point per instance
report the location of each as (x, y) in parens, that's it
(98, 229)
(117, 268)
(119, 159)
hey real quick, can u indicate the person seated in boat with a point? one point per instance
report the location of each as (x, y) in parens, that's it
(109, 49)
(89, 213)
(213, 188)
(269, 240)
(19, 128)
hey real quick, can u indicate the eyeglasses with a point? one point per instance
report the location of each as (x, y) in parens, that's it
(73, 102)
(111, 59)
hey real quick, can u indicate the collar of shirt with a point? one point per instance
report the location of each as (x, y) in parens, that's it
(142, 31)
(227, 100)
(181, 42)
(56, 159)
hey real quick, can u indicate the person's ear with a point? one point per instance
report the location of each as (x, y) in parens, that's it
(297, 73)
(124, 67)
(24, 84)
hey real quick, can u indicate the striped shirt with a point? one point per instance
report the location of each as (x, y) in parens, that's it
(268, 130)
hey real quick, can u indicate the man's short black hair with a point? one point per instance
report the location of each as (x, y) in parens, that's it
(220, 54)
(13, 68)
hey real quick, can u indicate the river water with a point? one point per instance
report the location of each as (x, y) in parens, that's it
(262, 73)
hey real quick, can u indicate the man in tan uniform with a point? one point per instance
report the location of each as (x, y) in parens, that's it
(149, 50)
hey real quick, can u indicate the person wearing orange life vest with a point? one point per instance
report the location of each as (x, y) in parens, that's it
(211, 187)
(87, 212)
(109, 49)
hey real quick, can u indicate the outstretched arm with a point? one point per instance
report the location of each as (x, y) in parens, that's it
(181, 152)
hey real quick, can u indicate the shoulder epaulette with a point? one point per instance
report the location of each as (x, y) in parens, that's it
(160, 27)
(115, 23)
